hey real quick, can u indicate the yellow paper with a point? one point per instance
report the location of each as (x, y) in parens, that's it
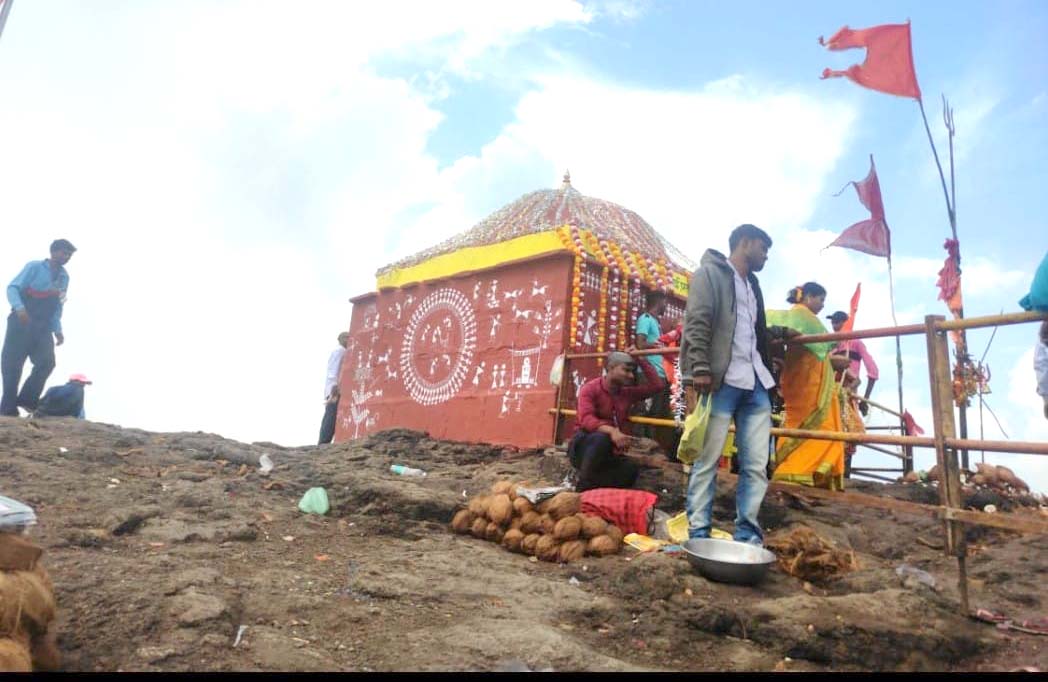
(643, 542)
(678, 529)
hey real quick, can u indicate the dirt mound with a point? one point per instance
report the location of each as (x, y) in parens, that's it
(174, 552)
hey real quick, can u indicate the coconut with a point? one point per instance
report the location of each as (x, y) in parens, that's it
(567, 528)
(988, 471)
(592, 526)
(531, 522)
(527, 545)
(500, 509)
(462, 521)
(521, 506)
(515, 523)
(1008, 476)
(493, 532)
(547, 524)
(572, 550)
(512, 539)
(14, 657)
(475, 506)
(26, 601)
(547, 548)
(479, 527)
(562, 505)
(602, 545)
(614, 533)
(501, 487)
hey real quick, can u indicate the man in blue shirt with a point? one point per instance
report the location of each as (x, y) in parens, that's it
(36, 296)
(649, 330)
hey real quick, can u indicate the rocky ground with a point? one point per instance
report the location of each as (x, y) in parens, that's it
(173, 552)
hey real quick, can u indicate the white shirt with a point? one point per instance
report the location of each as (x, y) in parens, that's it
(1040, 366)
(334, 362)
(745, 358)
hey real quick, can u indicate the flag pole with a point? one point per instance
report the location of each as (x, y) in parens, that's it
(961, 340)
(4, 11)
(907, 462)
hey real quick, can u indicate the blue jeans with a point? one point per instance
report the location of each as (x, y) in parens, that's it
(752, 412)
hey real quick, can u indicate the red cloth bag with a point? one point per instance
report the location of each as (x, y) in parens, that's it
(630, 510)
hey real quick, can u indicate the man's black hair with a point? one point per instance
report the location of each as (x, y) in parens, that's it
(654, 297)
(63, 244)
(747, 231)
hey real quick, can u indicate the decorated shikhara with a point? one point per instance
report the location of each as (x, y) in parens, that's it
(454, 339)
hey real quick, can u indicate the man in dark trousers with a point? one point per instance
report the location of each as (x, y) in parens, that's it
(64, 401)
(603, 432)
(36, 296)
(725, 352)
(332, 393)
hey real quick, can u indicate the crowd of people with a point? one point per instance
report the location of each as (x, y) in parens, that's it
(735, 351)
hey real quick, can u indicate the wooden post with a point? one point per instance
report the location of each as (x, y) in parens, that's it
(560, 394)
(946, 458)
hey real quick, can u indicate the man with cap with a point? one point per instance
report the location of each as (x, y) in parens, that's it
(331, 390)
(602, 424)
(64, 401)
(34, 326)
(855, 351)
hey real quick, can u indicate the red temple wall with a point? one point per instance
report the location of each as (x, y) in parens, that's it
(465, 358)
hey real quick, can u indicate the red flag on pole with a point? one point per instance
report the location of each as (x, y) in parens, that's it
(889, 59)
(869, 236)
(853, 308)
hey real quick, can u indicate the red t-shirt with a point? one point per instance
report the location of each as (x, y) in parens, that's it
(598, 406)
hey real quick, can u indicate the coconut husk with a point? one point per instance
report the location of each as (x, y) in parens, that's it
(512, 492)
(531, 522)
(493, 532)
(592, 526)
(515, 523)
(987, 471)
(480, 527)
(804, 554)
(615, 533)
(567, 528)
(501, 487)
(527, 545)
(44, 653)
(547, 524)
(14, 657)
(18, 553)
(1008, 476)
(475, 506)
(547, 548)
(500, 509)
(602, 545)
(27, 602)
(462, 521)
(512, 539)
(572, 550)
(521, 506)
(561, 505)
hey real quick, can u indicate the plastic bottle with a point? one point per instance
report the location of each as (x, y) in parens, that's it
(406, 471)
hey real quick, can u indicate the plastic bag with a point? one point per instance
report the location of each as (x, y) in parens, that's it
(694, 436)
(315, 501)
(15, 516)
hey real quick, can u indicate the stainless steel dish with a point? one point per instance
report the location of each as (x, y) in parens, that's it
(728, 561)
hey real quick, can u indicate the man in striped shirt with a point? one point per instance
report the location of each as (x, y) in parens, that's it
(34, 327)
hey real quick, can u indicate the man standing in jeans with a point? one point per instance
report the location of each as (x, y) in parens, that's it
(724, 351)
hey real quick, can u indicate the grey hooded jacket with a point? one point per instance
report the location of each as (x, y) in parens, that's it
(709, 320)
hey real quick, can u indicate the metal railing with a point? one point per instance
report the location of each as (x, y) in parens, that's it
(944, 439)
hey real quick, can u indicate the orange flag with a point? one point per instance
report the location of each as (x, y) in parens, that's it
(889, 59)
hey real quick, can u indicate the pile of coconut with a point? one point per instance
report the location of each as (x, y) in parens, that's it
(552, 530)
(27, 607)
(985, 477)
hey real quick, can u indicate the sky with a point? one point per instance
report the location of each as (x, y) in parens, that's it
(233, 171)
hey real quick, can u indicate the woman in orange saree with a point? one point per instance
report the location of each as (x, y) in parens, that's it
(810, 395)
